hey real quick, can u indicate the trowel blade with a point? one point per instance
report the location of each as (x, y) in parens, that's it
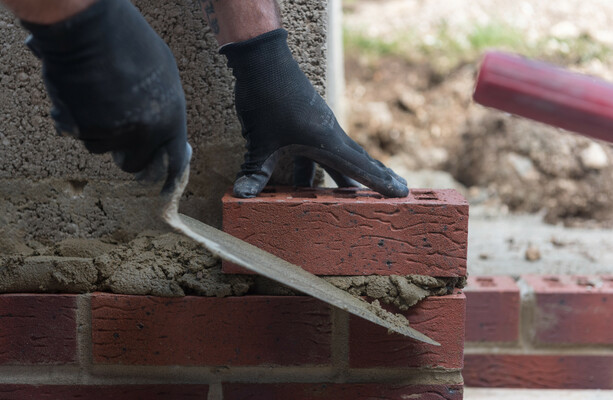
(257, 260)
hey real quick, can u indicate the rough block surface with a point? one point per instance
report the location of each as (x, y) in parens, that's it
(538, 371)
(355, 232)
(38, 329)
(331, 391)
(236, 331)
(492, 309)
(572, 309)
(441, 318)
(90, 192)
(107, 392)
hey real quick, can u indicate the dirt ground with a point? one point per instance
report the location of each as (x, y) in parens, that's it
(410, 71)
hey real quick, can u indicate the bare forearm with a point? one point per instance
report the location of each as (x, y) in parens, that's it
(238, 20)
(46, 11)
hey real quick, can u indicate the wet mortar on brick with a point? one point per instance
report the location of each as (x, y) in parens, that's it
(168, 264)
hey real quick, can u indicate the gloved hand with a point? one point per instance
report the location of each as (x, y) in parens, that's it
(114, 85)
(279, 108)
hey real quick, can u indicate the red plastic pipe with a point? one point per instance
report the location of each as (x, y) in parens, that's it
(546, 93)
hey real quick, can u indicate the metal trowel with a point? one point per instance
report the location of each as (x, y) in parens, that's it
(257, 260)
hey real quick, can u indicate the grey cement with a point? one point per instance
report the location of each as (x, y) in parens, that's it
(536, 394)
(168, 264)
(51, 188)
(497, 245)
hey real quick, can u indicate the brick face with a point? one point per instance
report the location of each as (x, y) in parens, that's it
(538, 371)
(329, 391)
(236, 331)
(572, 309)
(355, 232)
(37, 329)
(492, 309)
(107, 392)
(440, 318)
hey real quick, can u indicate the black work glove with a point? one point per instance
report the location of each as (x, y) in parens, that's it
(278, 108)
(114, 85)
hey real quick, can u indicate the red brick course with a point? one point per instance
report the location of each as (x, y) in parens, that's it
(441, 318)
(492, 309)
(330, 391)
(106, 392)
(572, 309)
(538, 371)
(355, 232)
(235, 331)
(37, 329)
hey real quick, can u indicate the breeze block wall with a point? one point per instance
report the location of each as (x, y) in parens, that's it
(543, 331)
(105, 345)
(51, 188)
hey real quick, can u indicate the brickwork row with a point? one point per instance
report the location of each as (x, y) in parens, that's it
(251, 340)
(554, 332)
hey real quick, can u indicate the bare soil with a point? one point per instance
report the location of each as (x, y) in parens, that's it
(413, 114)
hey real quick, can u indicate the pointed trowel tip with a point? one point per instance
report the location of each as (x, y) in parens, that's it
(415, 334)
(426, 339)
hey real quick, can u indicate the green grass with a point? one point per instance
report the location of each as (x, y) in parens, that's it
(496, 35)
(358, 42)
(449, 49)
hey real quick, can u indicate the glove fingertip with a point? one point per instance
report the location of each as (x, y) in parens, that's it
(248, 186)
(403, 191)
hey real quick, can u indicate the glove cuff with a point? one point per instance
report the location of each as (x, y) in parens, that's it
(265, 70)
(73, 33)
(252, 57)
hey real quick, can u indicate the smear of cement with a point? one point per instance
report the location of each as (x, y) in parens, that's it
(153, 263)
(400, 291)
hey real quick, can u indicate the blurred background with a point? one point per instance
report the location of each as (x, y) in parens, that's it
(541, 198)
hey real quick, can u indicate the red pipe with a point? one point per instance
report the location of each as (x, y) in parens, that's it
(546, 93)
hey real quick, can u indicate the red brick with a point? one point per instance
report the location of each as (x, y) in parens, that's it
(122, 392)
(440, 318)
(235, 331)
(538, 371)
(355, 232)
(38, 329)
(492, 309)
(572, 309)
(331, 391)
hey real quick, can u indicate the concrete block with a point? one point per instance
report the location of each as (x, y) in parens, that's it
(99, 198)
(355, 232)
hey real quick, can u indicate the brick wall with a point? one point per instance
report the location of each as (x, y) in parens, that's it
(541, 332)
(535, 332)
(103, 345)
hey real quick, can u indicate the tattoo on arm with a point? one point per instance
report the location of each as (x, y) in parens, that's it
(208, 9)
